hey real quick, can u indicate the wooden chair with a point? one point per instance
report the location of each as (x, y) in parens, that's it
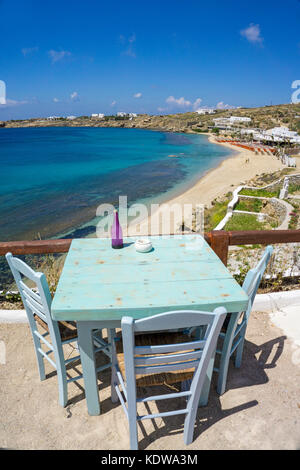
(37, 304)
(234, 336)
(143, 359)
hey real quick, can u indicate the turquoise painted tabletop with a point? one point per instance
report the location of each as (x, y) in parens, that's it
(180, 272)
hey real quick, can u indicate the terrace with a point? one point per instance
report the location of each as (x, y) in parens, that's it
(242, 418)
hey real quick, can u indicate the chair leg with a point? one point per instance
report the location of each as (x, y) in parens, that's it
(132, 424)
(223, 370)
(62, 378)
(206, 386)
(114, 362)
(239, 354)
(189, 422)
(39, 357)
(225, 355)
(62, 388)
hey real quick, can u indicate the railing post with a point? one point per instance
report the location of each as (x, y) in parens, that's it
(220, 243)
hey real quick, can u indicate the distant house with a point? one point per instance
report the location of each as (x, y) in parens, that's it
(205, 111)
(228, 123)
(53, 118)
(278, 134)
(234, 119)
(98, 115)
(130, 115)
(70, 118)
(282, 132)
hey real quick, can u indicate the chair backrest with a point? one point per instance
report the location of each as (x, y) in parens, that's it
(254, 277)
(161, 358)
(38, 303)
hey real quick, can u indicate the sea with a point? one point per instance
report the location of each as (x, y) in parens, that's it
(52, 179)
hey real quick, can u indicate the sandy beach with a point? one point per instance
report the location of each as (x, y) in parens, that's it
(240, 168)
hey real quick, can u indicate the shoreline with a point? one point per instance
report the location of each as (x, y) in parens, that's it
(216, 182)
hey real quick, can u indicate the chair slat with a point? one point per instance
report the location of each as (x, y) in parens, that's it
(235, 345)
(161, 415)
(30, 292)
(35, 307)
(164, 397)
(47, 357)
(239, 328)
(169, 348)
(42, 338)
(165, 368)
(167, 358)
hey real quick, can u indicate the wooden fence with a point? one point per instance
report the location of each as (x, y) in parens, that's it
(219, 241)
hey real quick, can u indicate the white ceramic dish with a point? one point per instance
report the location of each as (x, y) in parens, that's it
(143, 245)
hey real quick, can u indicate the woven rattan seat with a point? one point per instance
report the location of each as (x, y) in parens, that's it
(153, 340)
(67, 330)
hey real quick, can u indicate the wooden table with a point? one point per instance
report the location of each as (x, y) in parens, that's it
(99, 285)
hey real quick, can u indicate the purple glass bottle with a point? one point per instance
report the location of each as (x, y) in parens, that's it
(116, 232)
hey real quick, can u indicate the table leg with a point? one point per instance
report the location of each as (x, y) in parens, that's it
(86, 348)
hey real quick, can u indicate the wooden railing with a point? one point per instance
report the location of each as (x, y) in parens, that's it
(219, 241)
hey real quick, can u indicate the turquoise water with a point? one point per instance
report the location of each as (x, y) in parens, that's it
(52, 179)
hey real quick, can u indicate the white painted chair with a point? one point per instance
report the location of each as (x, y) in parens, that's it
(37, 304)
(143, 360)
(234, 336)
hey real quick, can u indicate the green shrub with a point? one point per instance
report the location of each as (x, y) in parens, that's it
(249, 205)
(259, 192)
(244, 222)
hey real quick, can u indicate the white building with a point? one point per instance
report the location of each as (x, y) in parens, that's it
(235, 119)
(282, 133)
(97, 115)
(277, 134)
(70, 118)
(227, 123)
(122, 114)
(249, 131)
(205, 111)
(53, 118)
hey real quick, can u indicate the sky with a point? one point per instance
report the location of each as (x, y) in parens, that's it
(82, 57)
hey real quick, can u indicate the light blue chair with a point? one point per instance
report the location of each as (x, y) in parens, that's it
(37, 304)
(145, 358)
(234, 337)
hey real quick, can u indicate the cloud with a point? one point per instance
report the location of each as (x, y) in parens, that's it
(29, 50)
(137, 95)
(56, 100)
(197, 103)
(11, 103)
(222, 105)
(56, 56)
(181, 102)
(252, 34)
(129, 43)
(74, 96)
(113, 103)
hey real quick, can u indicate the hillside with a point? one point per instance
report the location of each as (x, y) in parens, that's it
(266, 117)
